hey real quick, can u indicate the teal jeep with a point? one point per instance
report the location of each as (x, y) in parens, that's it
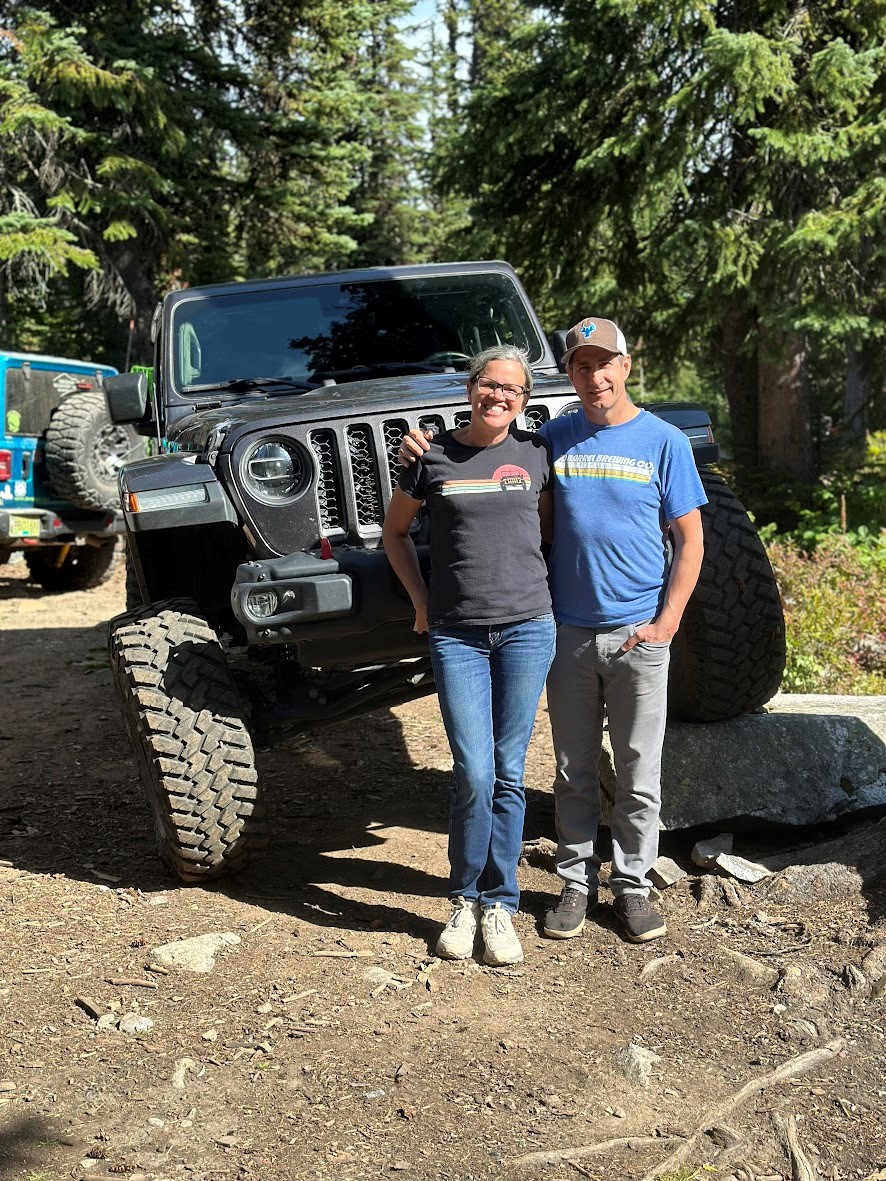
(59, 458)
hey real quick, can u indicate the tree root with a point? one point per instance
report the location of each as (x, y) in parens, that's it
(793, 1068)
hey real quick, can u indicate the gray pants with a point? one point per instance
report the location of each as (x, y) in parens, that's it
(590, 674)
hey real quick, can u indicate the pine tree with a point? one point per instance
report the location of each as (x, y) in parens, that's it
(707, 173)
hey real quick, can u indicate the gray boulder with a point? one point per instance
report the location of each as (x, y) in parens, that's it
(806, 759)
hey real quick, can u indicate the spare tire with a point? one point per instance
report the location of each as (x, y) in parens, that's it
(729, 654)
(85, 451)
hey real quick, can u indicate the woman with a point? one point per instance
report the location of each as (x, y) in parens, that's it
(490, 631)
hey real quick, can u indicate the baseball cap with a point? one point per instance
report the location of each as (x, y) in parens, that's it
(603, 334)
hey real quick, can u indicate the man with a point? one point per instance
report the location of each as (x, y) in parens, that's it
(622, 478)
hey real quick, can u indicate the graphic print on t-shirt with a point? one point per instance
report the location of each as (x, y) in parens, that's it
(605, 467)
(507, 478)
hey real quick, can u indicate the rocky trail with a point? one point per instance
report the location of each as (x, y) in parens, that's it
(315, 1035)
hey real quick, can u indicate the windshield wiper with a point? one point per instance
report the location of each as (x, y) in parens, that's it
(247, 383)
(354, 371)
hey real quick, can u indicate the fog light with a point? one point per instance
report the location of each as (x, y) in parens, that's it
(262, 603)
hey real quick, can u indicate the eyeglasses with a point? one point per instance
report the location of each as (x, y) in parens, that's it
(511, 392)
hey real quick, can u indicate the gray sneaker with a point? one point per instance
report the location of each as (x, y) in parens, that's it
(638, 920)
(456, 940)
(499, 936)
(567, 918)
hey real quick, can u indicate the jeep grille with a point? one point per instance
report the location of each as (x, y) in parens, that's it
(329, 498)
(356, 471)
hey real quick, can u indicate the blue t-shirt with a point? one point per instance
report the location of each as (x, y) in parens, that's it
(615, 487)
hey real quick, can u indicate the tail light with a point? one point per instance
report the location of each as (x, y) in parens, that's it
(5, 466)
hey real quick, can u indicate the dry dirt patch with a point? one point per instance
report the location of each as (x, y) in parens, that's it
(328, 1043)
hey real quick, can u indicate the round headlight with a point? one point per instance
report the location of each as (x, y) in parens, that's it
(273, 471)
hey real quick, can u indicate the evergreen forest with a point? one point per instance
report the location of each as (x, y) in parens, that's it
(709, 173)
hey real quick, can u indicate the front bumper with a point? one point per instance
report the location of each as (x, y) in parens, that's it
(302, 598)
(27, 527)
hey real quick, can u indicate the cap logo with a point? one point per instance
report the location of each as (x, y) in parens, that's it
(588, 329)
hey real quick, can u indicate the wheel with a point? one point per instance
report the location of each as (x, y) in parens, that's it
(186, 722)
(81, 568)
(85, 451)
(729, 654)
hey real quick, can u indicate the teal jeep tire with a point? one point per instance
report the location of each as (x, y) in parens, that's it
(186, 722)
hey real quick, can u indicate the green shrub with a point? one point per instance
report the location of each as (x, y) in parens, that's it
(835, 612)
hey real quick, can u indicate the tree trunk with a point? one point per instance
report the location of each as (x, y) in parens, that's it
(739, 365)
(855, 398)
(784, 430)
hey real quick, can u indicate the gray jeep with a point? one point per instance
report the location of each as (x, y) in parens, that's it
(260, 601)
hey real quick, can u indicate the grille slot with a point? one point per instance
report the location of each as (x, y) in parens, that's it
(535, 416)
(461, 419)
(431, 422)
(367, 492)
(329, 497)
(392, 432)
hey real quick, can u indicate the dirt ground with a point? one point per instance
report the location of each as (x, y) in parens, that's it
(328, 1043)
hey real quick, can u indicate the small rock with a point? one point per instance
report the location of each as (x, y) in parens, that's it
(400, 1165)
(378, 975)
(107, 1021)
(802, 983)
(5, 1088)
(741, 868)
(636, 1063)
(749, 971)
(855, 980)
(373, 1094)
(180, 1071)
(135, 1023)
(155, 1122)
(265, 1008)
(665, 872)
(210, 1035)
(705, 853)
(874, 965)
(196, 954)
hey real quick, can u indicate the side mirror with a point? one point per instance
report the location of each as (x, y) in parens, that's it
(558, 345)
(127, 397)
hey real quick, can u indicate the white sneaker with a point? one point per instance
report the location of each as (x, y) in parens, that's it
(499, 936)
(456, 940)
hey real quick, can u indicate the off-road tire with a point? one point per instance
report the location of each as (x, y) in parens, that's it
(81, 568)
(729, 654)
(186, 722)
(85, 451)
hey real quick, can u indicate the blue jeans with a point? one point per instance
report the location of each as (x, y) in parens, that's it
(489, 680)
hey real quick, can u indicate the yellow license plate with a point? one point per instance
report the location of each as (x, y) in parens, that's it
(24, 527)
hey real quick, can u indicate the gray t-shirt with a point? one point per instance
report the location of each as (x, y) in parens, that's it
(486, 560)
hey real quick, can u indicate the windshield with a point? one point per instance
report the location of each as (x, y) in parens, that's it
(341, 332)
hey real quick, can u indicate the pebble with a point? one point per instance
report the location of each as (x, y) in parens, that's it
(705, 853)
(155, 1122)
(196, 954)
(135, 1023)
(636, 1063)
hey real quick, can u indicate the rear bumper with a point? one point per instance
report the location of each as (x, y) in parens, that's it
(28, 527)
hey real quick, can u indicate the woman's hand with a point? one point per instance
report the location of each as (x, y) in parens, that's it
(413, 446)
(421, 619)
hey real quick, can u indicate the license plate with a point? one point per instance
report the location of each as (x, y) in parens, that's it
(24, 527)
